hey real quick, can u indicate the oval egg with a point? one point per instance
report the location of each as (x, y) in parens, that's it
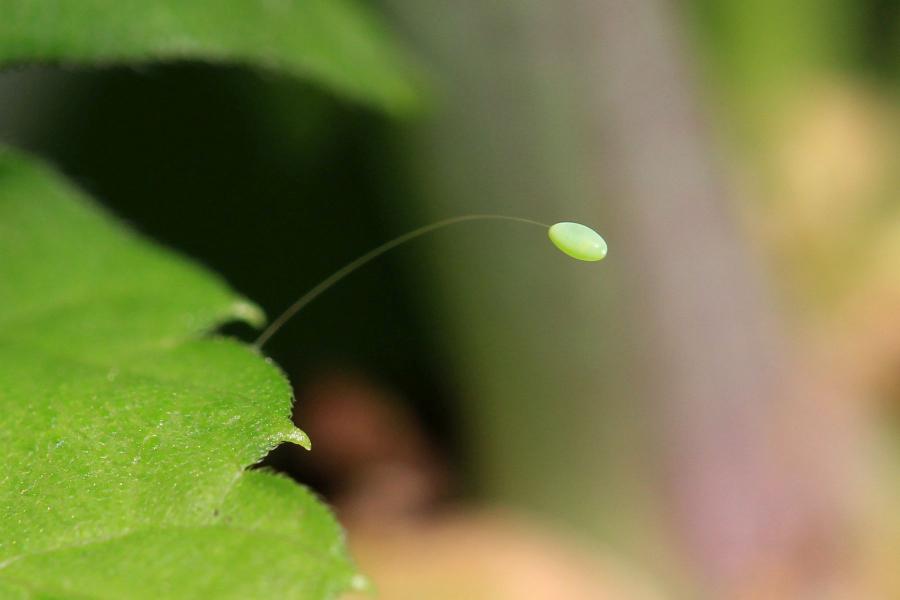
(578, 241)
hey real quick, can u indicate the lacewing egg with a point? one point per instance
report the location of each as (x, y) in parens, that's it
(578, 241)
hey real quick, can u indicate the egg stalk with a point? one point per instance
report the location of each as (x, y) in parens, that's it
(368, 257)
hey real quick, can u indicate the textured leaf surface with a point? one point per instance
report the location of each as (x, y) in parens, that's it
(333, 41)
(126, 429)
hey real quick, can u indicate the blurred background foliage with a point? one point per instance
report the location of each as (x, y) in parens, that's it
(479, 371)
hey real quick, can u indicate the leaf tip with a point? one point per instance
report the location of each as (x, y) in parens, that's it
(248, 312)
(299, 437)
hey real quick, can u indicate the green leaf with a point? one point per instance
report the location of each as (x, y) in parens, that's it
(335, 42)
(127, 428)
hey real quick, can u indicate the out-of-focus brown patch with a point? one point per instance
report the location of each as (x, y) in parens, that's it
(373, 453)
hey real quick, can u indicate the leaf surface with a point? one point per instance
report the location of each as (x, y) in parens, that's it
(127, 428)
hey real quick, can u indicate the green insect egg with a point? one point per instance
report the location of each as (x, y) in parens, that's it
(578, 241)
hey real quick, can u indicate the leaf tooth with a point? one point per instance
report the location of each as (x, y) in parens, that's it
(248, 312)
(297, 436)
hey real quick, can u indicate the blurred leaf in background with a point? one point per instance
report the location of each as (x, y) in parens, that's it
(335, 42)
